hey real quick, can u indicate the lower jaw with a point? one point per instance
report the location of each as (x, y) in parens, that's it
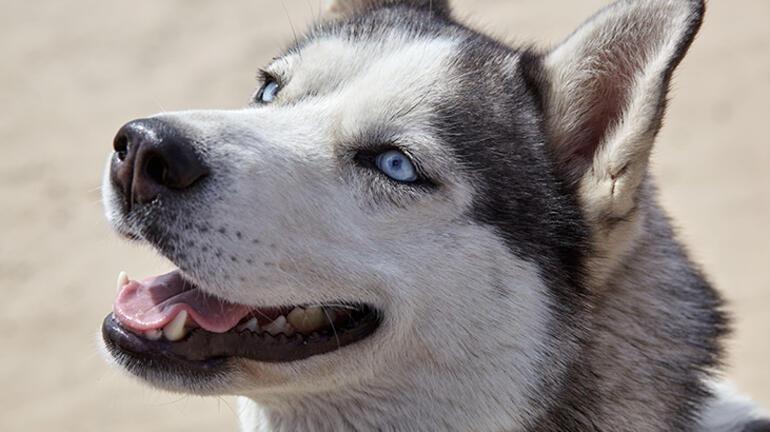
(204, 352)
(137, 352)
(162, 368)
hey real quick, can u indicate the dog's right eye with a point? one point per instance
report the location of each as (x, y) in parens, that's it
(268, 92)
(397, 166)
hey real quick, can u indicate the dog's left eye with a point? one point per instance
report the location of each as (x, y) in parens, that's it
(397, 166)
(268, 92)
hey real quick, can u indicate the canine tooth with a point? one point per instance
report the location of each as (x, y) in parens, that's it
(251, 325)
(307, 320)
(122, 279)
(153, 335)
(279, 325)
(175, 330)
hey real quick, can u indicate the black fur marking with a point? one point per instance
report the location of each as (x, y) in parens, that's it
(520, 195)
(758, 426)
(437, 7)
(518, 191)
(380, 19)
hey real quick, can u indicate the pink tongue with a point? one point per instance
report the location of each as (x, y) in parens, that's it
(154, 302)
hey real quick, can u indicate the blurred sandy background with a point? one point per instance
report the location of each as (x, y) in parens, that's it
(72, 72)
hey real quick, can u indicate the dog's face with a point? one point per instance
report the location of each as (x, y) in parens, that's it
(394, 203)
(299, 206)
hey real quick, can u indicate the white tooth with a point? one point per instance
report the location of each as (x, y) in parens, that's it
(175, 330)
(296, 317)
(307, 320)
(153, 335)
(288, 329)
(251, 325)
(277, 326)
(122, 279)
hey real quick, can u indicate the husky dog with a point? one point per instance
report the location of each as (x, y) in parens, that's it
(417, 228)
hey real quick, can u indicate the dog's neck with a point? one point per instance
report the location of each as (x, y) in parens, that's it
(653, 340)
(651, 335)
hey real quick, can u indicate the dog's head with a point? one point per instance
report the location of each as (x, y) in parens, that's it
(403, 196)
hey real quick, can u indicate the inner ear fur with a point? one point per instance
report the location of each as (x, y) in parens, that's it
(603, 92)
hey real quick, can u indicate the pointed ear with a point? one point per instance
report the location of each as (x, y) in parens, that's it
(604, 94)
(353, 7)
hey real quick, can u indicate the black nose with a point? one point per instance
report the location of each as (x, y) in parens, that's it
(152, 158)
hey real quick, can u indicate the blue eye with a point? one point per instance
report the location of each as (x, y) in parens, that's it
(397, 166)
(269, 92)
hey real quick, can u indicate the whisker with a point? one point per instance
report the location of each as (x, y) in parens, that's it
(174, 401)
(291, 24)
(338, 306)
(262, 314)
(227, 404)
(331, 322)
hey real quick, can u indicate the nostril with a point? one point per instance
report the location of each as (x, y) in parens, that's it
(156, 169)
(152, 158)
(121, 146)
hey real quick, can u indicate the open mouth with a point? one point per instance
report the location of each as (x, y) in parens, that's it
(168, 318)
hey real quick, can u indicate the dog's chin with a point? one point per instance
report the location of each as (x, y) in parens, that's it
(168, 376)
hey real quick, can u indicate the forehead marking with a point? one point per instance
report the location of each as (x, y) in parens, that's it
(365, 82)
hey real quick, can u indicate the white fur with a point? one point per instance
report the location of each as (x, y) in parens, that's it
(728, 411)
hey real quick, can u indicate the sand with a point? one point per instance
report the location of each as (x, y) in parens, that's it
(73, 72)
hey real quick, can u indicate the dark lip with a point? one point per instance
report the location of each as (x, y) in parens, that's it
(203, 351)
(138, 352)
